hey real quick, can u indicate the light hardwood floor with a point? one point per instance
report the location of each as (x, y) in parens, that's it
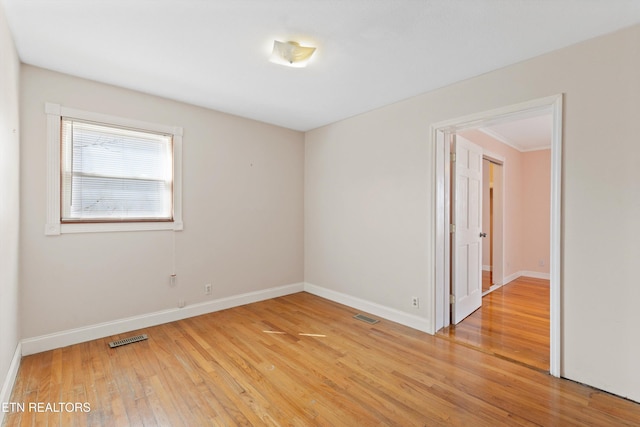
(513, 323)
(486, 280)
(250, 365)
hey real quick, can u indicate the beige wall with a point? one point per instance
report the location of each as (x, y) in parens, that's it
(368, 192)
(242, 210)
(9, 201)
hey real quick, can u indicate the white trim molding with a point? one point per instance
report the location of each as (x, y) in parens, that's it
(53, 226)
(388, 313)
(101, 330)
(525, 273)
(10, 379)
(555, 265)
(535, 275)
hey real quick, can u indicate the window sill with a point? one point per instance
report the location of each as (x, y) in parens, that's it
(57, 229)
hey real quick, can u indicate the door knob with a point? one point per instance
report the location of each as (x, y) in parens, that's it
(483, 234)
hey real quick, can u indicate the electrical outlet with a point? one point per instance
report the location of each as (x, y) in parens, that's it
(541, 263)
(415, 302)
(181, 303)
(207, 289)
(172, 280)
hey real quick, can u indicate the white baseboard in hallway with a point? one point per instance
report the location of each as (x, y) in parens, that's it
(532, 274)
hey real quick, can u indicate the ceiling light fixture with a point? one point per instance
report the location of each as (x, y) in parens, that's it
(291, 54)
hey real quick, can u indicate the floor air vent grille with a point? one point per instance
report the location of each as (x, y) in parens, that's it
(129, 340)
(366, 319)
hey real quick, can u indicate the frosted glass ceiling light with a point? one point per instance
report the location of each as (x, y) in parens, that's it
(291, 54)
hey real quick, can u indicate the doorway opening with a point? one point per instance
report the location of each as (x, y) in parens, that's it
(510, 318)
(442, 134)
(492, 221)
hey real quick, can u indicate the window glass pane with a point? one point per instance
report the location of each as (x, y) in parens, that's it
(103, 151)
(111, 173)
(97, 197)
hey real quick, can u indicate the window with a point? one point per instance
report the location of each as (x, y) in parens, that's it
(111, 174)
(115, 174)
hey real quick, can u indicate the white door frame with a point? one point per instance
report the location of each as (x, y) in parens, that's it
(440, 200)
(497, 270)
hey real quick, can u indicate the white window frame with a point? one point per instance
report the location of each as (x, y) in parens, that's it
(54, 227)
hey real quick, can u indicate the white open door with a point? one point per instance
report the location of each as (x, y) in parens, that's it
(466, 249)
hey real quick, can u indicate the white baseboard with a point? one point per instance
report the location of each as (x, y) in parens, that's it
(486, 268)
(9, 381)
(533, 274)
(101, 330)
(511, 278)
(87, 333)
(410, 320)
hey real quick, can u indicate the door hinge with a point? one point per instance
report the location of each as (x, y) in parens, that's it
(452, 299)
(453, 157)
(452, 228)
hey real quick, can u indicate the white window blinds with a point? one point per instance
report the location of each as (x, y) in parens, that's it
(111, 174)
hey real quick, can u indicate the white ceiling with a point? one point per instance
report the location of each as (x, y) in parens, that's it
(214, 53)
(526, 134)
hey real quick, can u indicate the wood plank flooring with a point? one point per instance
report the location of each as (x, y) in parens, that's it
(513, 323)
(486, 280)
(251, 365)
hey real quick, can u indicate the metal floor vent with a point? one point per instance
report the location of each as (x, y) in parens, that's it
(366, 319)
(129, 340)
